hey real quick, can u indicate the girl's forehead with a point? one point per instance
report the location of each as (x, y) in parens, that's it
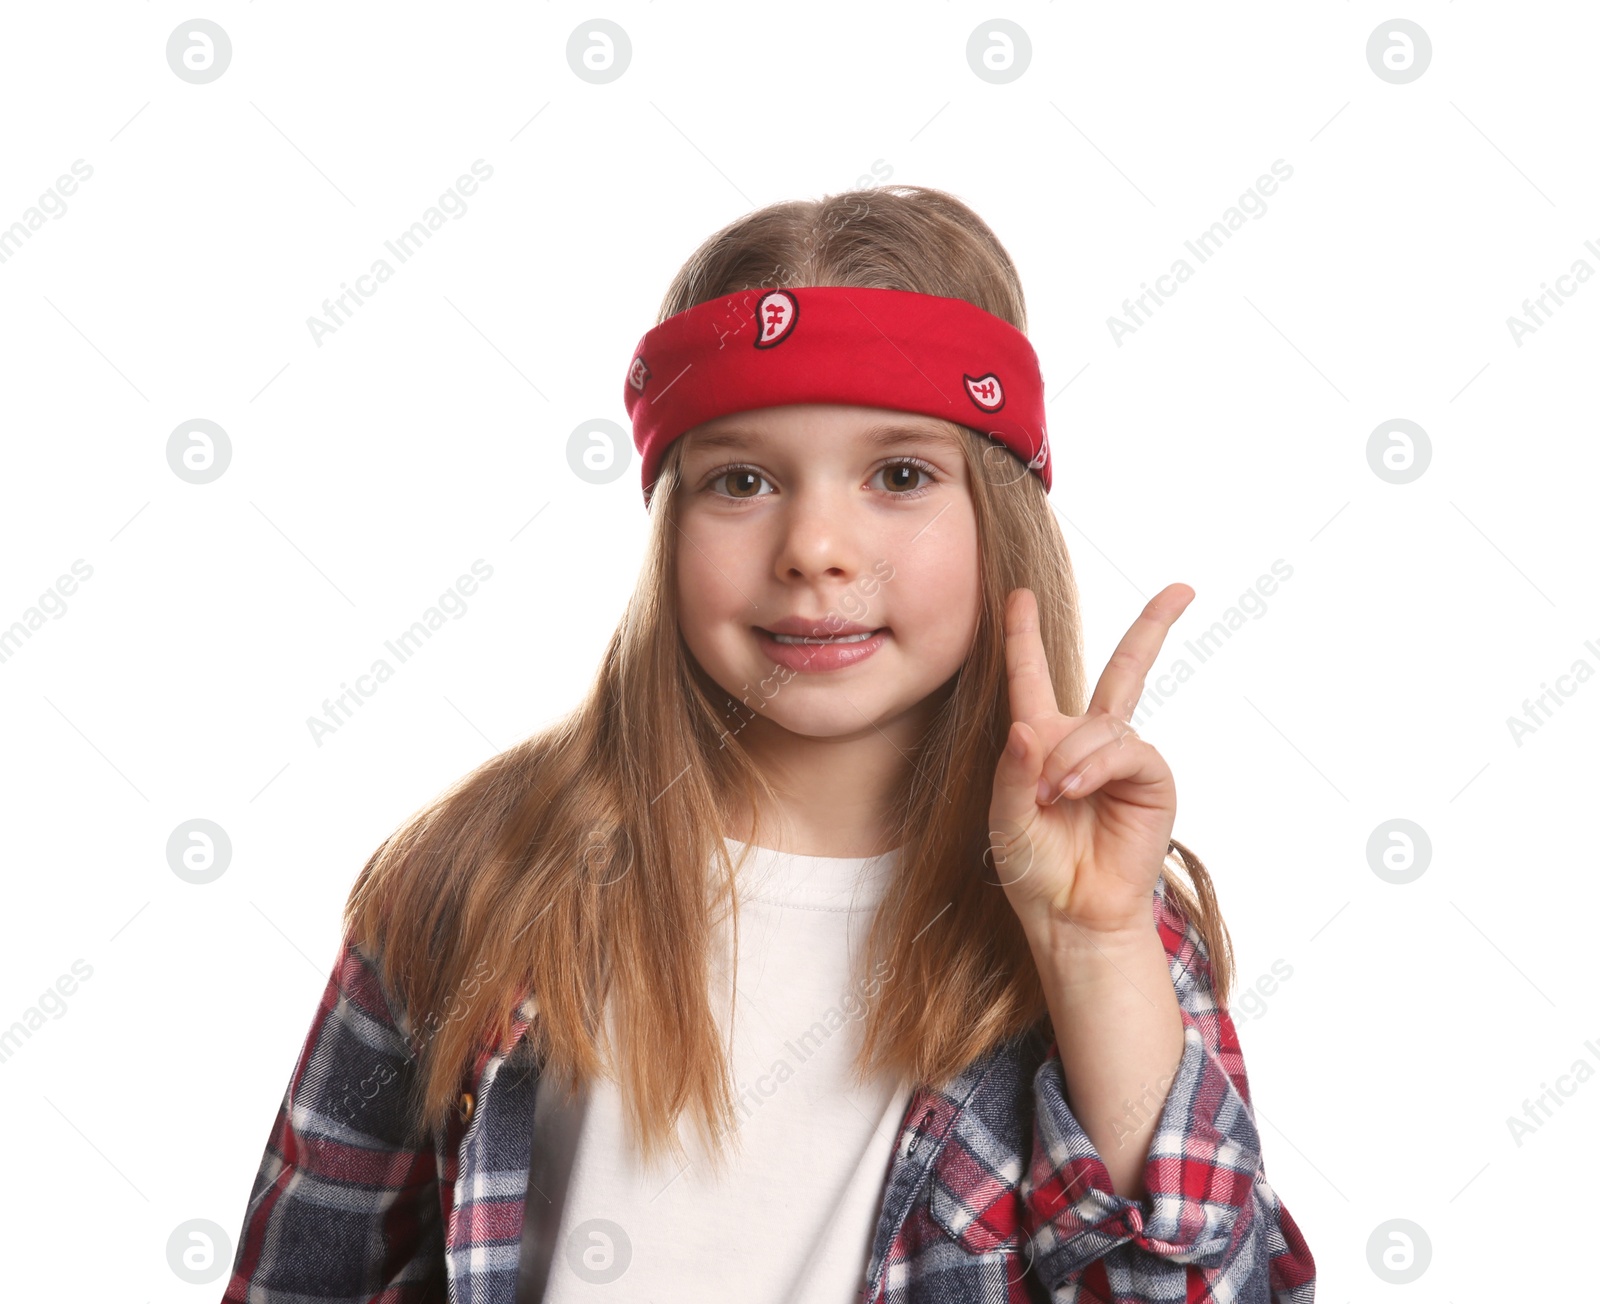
(870, 426)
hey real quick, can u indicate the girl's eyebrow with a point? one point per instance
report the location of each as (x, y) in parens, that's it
(883, 436)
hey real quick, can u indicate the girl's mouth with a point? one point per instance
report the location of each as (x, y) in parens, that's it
(826, 653)
(828, 638)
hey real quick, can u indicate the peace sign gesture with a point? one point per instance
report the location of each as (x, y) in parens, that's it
(1082, 811)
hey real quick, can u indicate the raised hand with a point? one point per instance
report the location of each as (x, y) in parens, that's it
(1082, 810)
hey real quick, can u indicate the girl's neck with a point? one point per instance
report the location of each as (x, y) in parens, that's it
(835, 796)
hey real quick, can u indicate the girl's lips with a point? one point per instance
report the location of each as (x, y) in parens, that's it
(820, 656)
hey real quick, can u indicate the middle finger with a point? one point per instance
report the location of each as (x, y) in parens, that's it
(1122, 681)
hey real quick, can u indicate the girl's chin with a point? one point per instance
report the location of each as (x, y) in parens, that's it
(824, 726)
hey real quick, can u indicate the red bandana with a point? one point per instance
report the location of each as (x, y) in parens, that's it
(895, 349)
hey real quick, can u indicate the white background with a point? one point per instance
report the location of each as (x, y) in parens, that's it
(369, 472)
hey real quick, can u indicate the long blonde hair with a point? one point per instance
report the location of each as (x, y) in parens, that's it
(581, 865)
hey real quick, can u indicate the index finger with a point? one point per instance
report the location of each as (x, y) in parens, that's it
(1122, 681)
(1027, 671)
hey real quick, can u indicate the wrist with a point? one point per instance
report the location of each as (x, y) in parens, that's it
(1072, 954)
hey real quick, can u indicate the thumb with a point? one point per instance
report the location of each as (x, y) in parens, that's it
(1016, 780)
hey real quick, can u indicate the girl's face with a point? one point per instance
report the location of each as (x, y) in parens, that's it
(826, 519)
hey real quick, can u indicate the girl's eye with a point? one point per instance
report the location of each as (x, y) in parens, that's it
(893, 472)
(737, 475)
(742, 481)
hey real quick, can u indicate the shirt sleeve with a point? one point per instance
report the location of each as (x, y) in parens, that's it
(1209, 1224)
(343, 1208)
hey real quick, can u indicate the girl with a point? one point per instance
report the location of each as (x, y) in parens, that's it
(838, 862)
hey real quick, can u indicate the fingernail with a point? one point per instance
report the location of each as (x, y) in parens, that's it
(1045, 790)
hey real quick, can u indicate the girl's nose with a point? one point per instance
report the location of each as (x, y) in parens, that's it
(819, 542)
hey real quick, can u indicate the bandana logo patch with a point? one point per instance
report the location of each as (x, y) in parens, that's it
(985, 391)
(638, 373)
(776, 313)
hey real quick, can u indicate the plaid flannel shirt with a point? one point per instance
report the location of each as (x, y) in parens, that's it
(994, 1195)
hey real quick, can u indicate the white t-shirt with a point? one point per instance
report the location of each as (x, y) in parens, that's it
(792, 1220)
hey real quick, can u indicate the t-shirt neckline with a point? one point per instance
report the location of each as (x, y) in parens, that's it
(819, 882)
